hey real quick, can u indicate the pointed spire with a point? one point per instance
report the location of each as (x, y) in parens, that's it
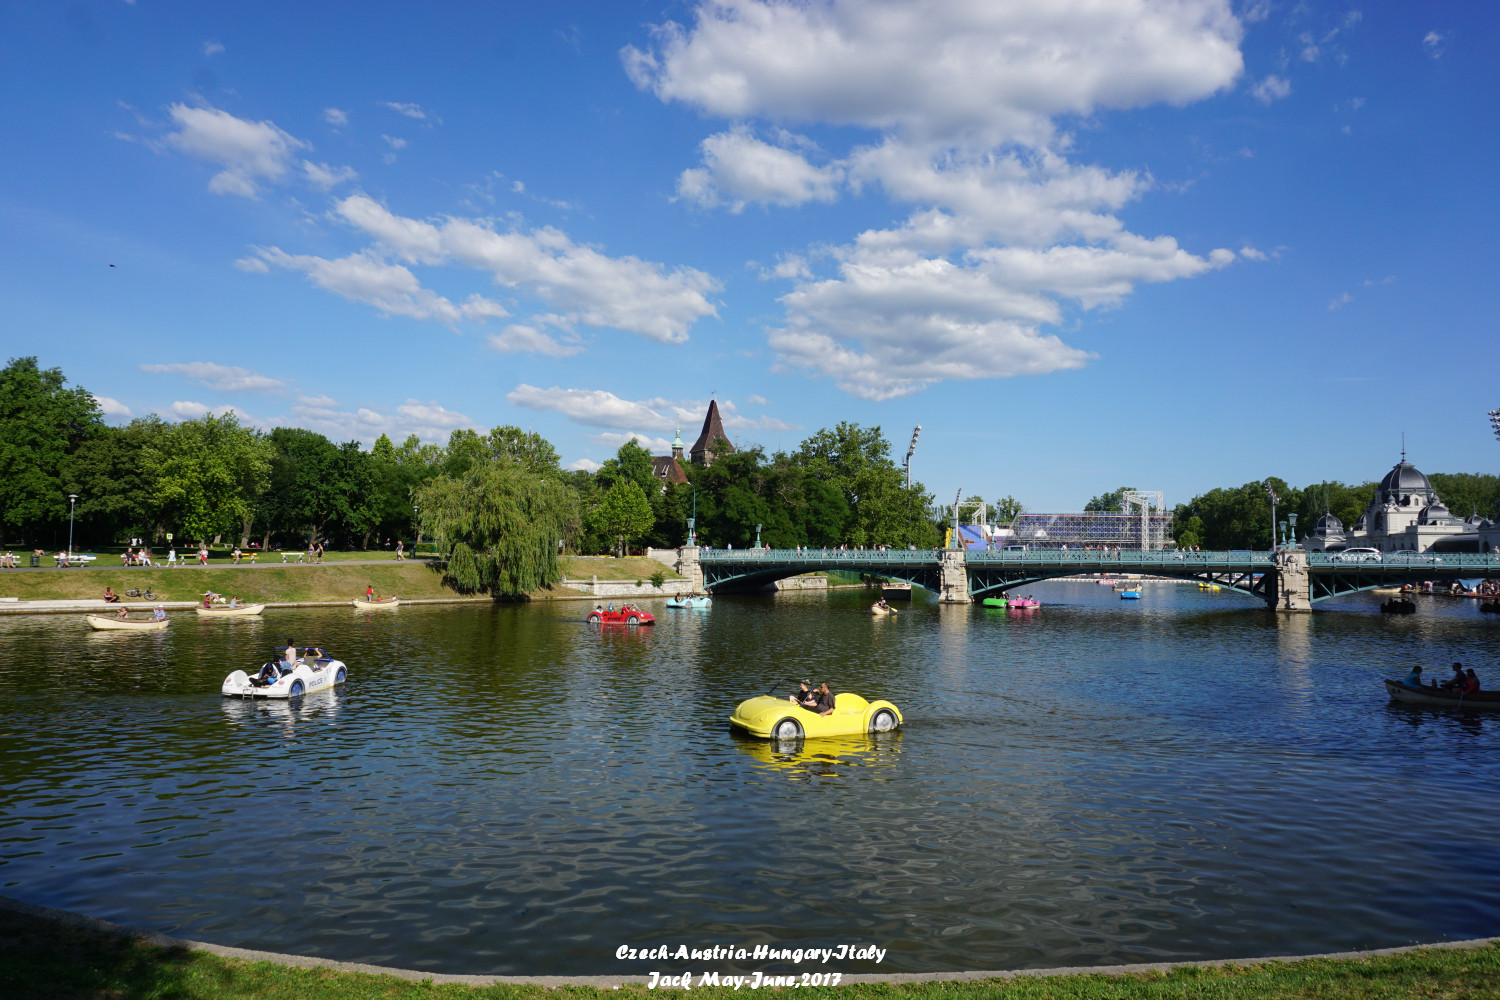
(713, 439)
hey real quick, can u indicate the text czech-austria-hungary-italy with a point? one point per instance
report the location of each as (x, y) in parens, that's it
(759, 953)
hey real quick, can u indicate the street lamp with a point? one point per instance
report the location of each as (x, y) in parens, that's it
(416, 520)
(1266, 484)
(693, 518)
(72, 499)
(757, 536)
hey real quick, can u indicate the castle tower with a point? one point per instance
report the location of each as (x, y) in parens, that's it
(713, 441)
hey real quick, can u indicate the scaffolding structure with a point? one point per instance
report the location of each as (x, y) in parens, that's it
(1149, 529)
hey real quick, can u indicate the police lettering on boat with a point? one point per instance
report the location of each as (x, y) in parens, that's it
(312, 670)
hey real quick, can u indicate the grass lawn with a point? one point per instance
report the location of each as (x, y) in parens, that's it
(43, 960)
(329, 582)
(608, 568)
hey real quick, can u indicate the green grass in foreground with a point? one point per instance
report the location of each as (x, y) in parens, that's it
(40, 960)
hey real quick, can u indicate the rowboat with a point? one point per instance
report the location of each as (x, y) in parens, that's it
(105, 623)
(238, 611)
(364, 605)
(696, 602)
(1438, 698)
(876, 609)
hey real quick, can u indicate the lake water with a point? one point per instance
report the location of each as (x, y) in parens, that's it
(509, 790)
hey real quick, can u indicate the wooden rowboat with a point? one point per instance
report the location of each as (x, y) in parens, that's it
(364, 605)
(1438, 698)
(105, 623)
(876, 609)
(238, 611)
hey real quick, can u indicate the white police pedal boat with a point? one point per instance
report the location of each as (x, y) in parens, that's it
(280, 679)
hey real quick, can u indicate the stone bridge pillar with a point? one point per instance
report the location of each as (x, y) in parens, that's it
(688, 567)
(953, 576)
(1293, 590)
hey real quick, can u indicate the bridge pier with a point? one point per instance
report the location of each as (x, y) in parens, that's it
(689, 567)
(953, 577)
(1292, 589)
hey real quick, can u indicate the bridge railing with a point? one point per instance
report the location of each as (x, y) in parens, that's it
(920, 557)
(1483, 563)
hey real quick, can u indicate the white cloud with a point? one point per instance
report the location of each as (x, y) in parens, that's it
(591, 407)
(1255, 11)
(613, 441)
(336, 117)
(430, 421)
(395, 142)
(584, 465)
(1271, 88)
(225, 378)
(409, 110)
(1434, 44)
(896, 321)
(212, 48)
(519, 338)
(739, 169)
(1340, 301)
(1006, 235)
(186, 409)
(760, 401)
(365, 277)
(323, 177)
(249, 152)
(626, 293)
(1250, 253)
(111, 407)
(959, 68)
(600, 408)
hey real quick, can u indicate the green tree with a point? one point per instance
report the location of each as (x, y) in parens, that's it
(1005, 510)
(501, 526)
(115, 488)
(209, 474)
(302, 498)
(624, 513)
(42, 422)
(1108, 503)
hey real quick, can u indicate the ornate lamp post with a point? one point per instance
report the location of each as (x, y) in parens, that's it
(416, 520)
(757, 536)
(72, 499)
(1266, 485)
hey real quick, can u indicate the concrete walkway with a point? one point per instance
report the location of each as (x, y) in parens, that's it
(81, 922)
(104, 563)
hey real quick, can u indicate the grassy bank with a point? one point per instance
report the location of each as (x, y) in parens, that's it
(43, 960)
(328, 582)
(608, 568)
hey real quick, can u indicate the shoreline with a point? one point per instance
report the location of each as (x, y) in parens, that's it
(81, 922)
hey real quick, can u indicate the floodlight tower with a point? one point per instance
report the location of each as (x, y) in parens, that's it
(1266, 485)
(1494, 422)
(911, 450)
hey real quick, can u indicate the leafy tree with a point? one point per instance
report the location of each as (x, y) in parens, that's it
(1467, 493)
(501, 525)
(1006, 509)
(42, 422)
(1238, 518)
(209, 473)
(1108, 503)
(623, 512)
(302, 497)
(110, 475)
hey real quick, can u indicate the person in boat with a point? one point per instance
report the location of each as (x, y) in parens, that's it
(804, 696)
(290, 656)
(1457, 681)
(1471, 682)
(110, 597)
(369, 592)
(124, 612)
(826, 701)
(268, 675)
(159, 613)
(1413, 679)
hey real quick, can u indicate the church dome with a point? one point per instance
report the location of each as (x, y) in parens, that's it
(1404, 478)
(1328, 525)
(1477, 521)
(1435, 513)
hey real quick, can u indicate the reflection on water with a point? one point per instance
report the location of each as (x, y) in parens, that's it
(511, 790)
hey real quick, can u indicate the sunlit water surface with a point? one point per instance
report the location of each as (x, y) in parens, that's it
(509, 790)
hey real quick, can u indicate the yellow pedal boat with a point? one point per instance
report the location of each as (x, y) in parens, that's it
(773, 718)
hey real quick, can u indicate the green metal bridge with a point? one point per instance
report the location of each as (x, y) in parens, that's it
(1255, 573)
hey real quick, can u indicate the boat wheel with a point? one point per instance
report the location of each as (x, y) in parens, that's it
(296, 689)
(786, 729)
(883, 721)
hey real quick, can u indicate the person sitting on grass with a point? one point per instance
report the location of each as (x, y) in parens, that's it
(110, 597)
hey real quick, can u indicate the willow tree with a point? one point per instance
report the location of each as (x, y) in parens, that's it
(501, 525)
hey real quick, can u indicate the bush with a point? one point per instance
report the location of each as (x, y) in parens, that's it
(658, 578)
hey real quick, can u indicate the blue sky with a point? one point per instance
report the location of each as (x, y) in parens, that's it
(1167, 244)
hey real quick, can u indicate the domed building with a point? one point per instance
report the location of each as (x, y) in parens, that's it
(1327, 535)
(1407, 515)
